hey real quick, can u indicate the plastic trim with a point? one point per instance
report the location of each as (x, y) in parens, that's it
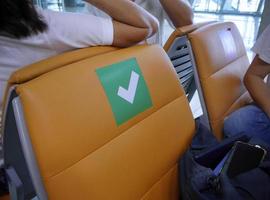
(28, 150)
(204, 117)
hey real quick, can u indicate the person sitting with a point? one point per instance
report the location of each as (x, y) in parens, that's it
(254, 119)
(29, 34)
(177, 12)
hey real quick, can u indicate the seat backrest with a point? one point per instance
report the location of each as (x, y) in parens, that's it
(112, 126)
(183, 31)
(179, 54)
(36, 69)
(221, 63)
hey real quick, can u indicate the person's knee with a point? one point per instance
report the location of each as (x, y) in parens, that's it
(239, 121)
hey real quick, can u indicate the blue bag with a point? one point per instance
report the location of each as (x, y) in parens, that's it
(199, 182)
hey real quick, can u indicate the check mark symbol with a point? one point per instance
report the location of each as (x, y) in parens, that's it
(130, 93)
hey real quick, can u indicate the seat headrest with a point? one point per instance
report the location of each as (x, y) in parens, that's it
(36, 69)
(184, 30)
(221, 43)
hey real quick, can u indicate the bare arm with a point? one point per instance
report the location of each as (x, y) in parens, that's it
(132, 23)
(179, 11)
(254, 81)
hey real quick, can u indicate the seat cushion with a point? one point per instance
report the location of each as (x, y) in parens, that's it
(83, 152)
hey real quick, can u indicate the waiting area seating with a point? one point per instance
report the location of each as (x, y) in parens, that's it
(180, 56)
(105, 125)
(211, 58)
(221, 63)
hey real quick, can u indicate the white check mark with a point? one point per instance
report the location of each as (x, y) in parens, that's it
(130, 93)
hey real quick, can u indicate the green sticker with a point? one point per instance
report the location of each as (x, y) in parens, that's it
(125, 88)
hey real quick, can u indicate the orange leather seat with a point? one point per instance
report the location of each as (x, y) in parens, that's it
(183, 31)
(34, 70)
(61, 127)
(6, 197)
(221, 63)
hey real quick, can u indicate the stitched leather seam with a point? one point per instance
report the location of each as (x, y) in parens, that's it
(223, 67)
(120, 134)
(160, 179)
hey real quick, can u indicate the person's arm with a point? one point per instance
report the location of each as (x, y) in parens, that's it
(131, 23)
(179, 11)
(254, 82)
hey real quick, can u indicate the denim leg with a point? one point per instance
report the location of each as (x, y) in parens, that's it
(250, 120)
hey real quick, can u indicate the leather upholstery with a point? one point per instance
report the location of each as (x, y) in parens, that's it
(181, 31)
(221, 62)
(34, 70)
(82, 153)
(5, 197)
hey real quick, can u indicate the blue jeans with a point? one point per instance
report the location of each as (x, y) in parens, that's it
(250, 120)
